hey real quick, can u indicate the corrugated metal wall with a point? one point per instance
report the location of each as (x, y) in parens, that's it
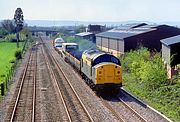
(114, 46)
(98, 41)
(166, 54)
(105, 42)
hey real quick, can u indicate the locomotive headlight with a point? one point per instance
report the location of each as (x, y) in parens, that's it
(100, 72)
(118, 72)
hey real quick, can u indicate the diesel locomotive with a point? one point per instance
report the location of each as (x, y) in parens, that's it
(100, 70)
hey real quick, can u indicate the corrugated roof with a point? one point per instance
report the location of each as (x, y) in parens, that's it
(83, 34)
(115, 35)
(150, 26)
(139, 25)
(171, 40)
(127, 31)
(130, 26)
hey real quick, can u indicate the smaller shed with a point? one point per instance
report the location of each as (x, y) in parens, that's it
(87, 35)
(96, 28)
(171, 54)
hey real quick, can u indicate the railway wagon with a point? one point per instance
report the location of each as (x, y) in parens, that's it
(71, 54)
(58, 42)
(102, 71)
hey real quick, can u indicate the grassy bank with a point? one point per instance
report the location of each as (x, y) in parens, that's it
(7, 50)
(144, 76)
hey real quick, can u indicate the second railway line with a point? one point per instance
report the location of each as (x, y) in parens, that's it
(23, 105)
(72, 102)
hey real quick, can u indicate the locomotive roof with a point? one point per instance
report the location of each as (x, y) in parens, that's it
(93, 54)
(96, 57)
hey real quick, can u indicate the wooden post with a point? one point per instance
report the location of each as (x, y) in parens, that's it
(7, 80)
(2, 89)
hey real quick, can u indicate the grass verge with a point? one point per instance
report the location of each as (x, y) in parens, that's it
(7, 51)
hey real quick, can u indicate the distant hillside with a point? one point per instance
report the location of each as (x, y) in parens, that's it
(50, 23)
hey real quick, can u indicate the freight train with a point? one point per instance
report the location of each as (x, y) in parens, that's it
(101, 71)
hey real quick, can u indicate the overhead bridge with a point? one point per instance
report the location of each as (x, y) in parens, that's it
(45, 30)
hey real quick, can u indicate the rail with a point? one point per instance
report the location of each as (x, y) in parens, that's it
(132, 110)
(13, 113)
(59, 91)
(112, 110)
(76, 95)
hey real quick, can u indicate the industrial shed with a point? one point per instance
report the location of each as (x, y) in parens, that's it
(171, 54)
(96, 28)
(125, 38)
(87, 35)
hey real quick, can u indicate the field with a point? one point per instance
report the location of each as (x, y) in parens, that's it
(7, 50)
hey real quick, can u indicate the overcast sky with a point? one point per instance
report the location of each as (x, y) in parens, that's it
(93, 10)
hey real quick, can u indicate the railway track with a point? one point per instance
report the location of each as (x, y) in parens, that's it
(132, 110)
(73, 105)
(117, 115)
(22, 107)
(120, 115)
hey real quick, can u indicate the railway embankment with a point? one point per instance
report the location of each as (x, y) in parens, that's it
(144, 76)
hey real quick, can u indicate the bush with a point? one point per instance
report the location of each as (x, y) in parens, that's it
(69, 39)
(12, 61)
(3, 32)
(11, 38)
(144, 75)
(146, 68)
(18, 54)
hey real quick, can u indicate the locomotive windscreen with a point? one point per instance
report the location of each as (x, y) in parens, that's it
(106, 58)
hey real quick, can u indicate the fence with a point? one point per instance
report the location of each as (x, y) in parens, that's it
(4, 86)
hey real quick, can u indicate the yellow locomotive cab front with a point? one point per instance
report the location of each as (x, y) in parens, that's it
(108, 73)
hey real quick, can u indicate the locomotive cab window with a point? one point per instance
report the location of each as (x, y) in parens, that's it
(106, 58)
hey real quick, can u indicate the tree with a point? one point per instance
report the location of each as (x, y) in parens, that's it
(3, 32)
(19, 21)
(9, 25)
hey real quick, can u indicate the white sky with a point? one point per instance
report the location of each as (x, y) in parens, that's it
(93, 10)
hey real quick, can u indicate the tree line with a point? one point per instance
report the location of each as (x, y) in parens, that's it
(13, 26)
